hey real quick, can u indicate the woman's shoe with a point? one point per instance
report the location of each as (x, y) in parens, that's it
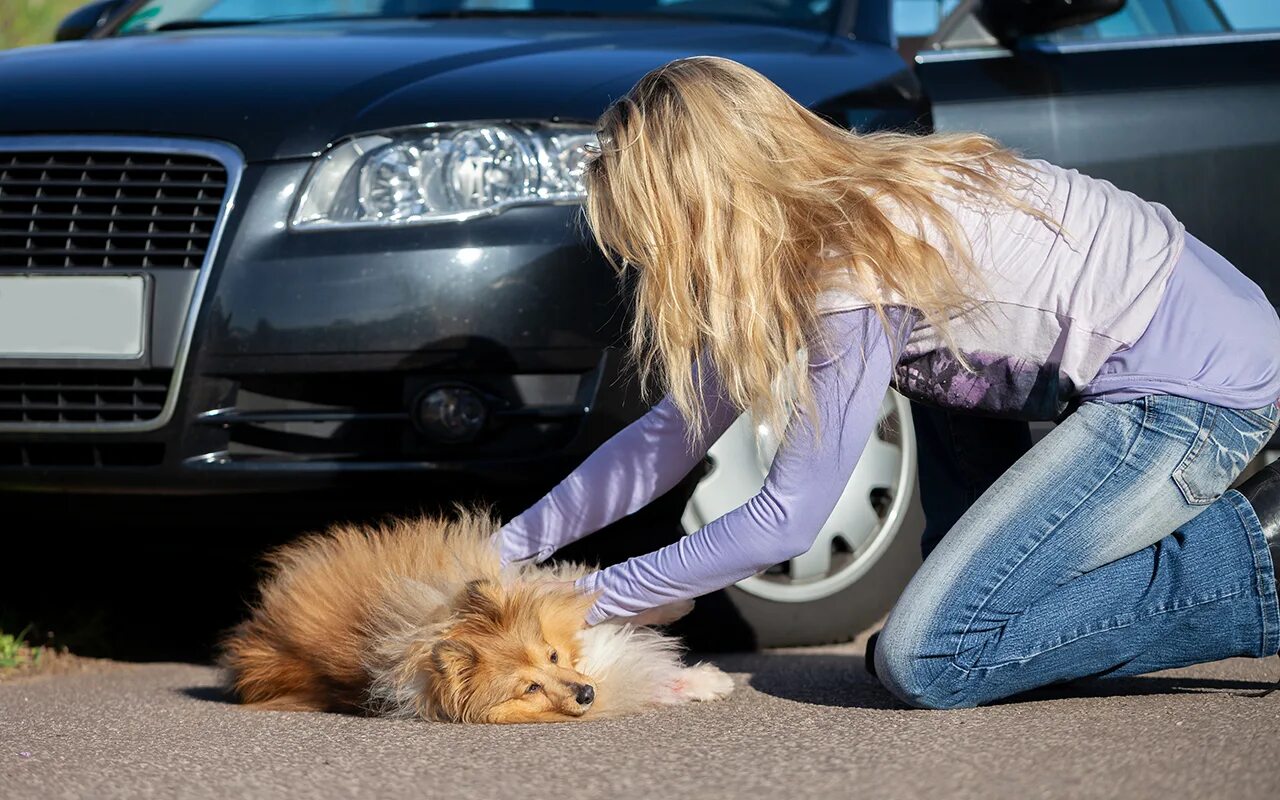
(1262, 490)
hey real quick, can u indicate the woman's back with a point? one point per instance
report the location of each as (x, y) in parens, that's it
(1055, 300)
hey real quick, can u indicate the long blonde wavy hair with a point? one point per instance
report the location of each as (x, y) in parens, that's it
(736, 207)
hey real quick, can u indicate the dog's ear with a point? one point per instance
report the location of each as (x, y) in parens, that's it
(454, 658)
(453, 665)
(480, 599)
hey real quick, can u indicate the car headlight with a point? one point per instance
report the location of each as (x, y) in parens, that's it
(441, 172)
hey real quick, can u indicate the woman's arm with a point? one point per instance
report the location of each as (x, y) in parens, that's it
(640, 462)
(806, 480)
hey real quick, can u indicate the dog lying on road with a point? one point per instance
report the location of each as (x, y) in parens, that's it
(417, 618)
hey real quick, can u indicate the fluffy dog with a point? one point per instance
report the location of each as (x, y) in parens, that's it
(417, 618)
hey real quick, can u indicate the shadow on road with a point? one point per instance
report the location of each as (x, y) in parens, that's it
(209, 694)
(836, 680)
(841, 681)
(1145, 685)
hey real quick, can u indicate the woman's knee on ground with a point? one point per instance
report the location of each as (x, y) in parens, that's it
(920, 680)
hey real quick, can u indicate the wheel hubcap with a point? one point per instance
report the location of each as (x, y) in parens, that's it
(864, 521)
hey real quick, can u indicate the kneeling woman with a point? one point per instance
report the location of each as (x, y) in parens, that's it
(793, 270)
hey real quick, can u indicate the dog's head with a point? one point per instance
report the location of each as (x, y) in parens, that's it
(509, 655)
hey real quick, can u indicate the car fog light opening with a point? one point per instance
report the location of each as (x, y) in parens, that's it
(451, 414)
(443, 172)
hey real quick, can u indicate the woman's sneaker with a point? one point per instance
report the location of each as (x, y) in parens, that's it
(1262, 490)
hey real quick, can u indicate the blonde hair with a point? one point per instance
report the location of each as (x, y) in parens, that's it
(737, 208)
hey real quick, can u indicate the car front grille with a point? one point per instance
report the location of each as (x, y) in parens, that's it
(87, 209)
(84, 204)
(81, 395)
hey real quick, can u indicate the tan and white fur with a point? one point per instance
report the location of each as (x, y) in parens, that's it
(417, 618)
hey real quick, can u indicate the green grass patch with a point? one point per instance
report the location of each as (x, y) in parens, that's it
(26, 22)
(15, 652)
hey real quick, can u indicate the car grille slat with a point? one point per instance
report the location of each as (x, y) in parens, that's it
(59, 454)
(116, 218)
(114, 210)
(115, 252)
(73, 410)
(77, 395)
(5, 232)
(42, 199)
(120, 185)
(97, 161)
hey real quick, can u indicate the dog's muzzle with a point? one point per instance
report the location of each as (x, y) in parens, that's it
(584, 693)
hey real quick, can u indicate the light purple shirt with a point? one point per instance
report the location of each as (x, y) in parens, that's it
(651, 455)
(1214, 338)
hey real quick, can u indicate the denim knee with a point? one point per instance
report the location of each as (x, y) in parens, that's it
(921, 681)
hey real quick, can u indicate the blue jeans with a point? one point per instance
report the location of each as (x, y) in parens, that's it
(1111, 548)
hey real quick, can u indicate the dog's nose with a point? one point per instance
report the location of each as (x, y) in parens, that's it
(584, 693)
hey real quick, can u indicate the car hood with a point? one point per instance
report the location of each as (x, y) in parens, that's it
(288, 91)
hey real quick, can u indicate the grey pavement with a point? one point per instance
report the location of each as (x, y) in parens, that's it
(805, 723)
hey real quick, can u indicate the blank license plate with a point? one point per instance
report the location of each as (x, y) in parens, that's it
(72, 316)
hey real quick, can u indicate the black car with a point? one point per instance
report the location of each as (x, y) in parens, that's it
(263, 246)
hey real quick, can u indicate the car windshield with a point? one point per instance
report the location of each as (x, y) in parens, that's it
(162, 15)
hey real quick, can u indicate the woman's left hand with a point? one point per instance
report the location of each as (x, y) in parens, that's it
(659, 615)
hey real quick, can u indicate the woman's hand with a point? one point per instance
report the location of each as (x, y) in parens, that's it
(659, 615)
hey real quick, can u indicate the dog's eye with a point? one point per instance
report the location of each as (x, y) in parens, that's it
(533, 687)
(555, 657)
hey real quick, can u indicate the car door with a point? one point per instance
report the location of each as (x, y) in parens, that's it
(1175, 100)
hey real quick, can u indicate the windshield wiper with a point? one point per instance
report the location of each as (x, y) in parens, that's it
(194, 24)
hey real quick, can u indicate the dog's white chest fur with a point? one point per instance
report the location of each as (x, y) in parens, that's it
(639, 667)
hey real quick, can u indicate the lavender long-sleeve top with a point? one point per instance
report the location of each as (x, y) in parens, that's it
(652, 455)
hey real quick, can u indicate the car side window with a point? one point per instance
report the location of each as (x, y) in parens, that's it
(1251, 15)
(912, 18)
(1168, 18)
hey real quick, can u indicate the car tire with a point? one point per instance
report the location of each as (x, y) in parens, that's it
(872, 556)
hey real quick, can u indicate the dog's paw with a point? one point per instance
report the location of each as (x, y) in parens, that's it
(702, 682)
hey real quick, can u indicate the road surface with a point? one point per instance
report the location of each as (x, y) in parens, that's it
(806, 723)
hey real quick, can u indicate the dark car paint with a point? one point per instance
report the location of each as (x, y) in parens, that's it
(287, 91)
(531, 285)
(1193, 123)
(290, 307)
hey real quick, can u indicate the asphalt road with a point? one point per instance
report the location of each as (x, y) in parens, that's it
(802, 724)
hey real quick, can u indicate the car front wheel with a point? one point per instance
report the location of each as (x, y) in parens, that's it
(863, 556)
